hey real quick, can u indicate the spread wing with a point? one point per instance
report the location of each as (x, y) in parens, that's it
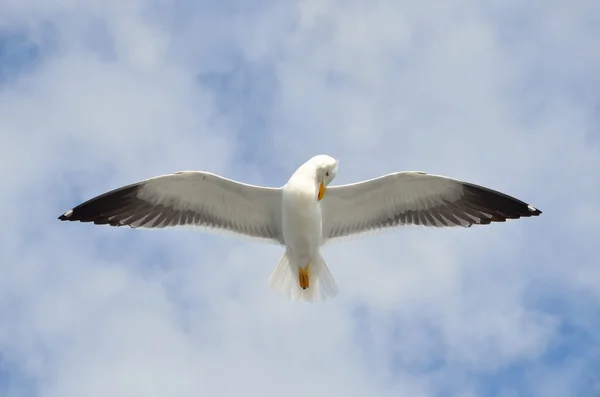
(414, 198)
(188, 198)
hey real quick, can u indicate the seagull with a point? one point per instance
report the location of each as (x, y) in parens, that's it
(302, 215)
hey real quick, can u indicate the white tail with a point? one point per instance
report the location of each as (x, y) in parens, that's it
(284, 280)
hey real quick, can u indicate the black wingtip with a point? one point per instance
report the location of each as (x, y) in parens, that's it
(66, 216)
(533, 211)
(500, 206)
(95, 209)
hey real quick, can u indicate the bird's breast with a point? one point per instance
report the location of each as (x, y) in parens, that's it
(301, 221)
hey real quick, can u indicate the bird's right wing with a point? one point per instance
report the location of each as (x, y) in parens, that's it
(414, 198)
(188, 198)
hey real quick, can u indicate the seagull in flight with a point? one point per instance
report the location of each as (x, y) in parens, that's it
(302, 215)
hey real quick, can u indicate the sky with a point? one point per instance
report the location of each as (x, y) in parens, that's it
(98, 94)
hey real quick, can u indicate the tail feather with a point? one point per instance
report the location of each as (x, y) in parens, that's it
(285, 280)
(326, 281)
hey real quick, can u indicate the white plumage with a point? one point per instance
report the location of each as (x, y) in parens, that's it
(302, 215)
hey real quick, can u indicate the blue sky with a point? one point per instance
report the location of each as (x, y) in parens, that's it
(95, 95)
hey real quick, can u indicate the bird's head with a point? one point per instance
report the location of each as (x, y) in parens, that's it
(325, 167)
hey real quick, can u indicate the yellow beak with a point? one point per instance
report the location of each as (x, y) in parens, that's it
(321, 191)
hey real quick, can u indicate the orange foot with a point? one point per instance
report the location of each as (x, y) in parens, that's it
(304, 276)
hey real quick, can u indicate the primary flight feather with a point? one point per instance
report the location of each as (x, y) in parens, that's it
(302, 215)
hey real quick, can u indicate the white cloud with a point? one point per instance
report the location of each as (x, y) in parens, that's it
(502, 94)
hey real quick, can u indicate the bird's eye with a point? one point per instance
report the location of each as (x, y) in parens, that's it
(327, 173)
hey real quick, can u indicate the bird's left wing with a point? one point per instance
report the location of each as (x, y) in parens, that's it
(414, 198)
(188, 198)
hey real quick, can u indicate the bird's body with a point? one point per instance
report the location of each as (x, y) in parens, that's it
(302, 225)
(301, 219)
(302, 215)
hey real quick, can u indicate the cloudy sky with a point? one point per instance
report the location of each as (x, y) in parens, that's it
(98, 94)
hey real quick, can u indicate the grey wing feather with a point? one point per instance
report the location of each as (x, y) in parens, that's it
(415, 198)
(187, 198)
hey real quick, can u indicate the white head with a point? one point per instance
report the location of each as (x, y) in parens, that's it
(324, 167)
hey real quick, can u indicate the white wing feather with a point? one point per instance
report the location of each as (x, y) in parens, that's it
(188, 198)
(414, 198)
